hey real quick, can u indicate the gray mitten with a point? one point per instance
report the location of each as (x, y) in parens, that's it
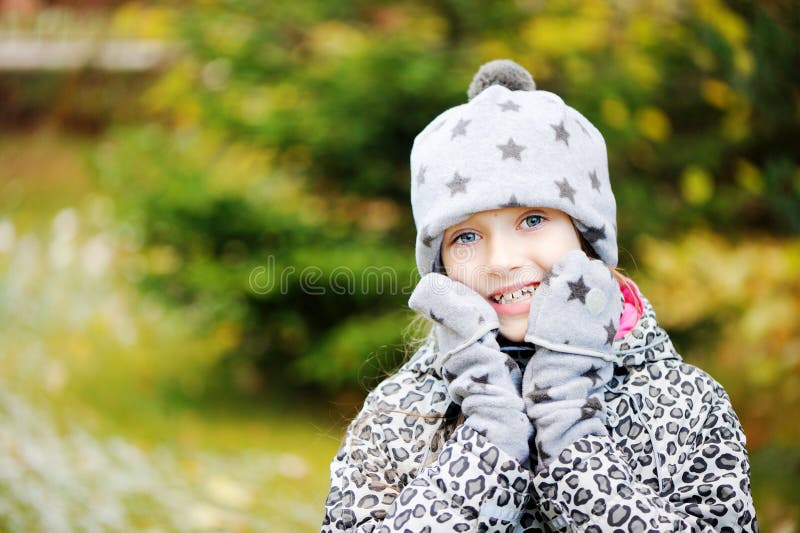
(476, 371)
(573, 319)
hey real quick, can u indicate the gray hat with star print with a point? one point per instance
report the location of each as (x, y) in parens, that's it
(510, 146)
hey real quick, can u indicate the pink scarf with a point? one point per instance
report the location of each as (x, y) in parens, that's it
(630, 313)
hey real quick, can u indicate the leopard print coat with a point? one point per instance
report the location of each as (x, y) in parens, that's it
(674, 457)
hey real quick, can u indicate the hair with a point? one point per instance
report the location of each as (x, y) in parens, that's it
(416, 333)
(615, 271)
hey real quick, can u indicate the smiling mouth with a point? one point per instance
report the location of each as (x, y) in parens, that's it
(519, 295)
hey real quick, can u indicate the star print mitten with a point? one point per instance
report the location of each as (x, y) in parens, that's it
(478, 374)
(573, 320)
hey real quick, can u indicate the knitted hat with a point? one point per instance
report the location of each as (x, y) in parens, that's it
(510, 146)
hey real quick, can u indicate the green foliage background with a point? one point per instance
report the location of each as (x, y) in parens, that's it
(284, 132)
(267, 165)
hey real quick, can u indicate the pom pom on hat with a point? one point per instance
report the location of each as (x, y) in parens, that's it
(501, 72)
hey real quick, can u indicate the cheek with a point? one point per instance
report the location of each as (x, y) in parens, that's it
(570, 242)
(462, 266)
(556, 244)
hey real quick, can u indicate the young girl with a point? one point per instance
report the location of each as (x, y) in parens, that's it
(547, 397)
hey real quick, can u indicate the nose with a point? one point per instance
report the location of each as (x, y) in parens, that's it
(504, 254)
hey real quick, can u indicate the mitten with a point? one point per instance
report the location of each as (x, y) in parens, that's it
(573, 319)
(477, 373)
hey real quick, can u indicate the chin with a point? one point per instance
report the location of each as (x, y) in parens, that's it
(514, 330)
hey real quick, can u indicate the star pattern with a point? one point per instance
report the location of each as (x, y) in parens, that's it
(508, 105)
(578, 290)
(540, 394)
(512, 202)
(457, 184)
(549, 275)
(595, 181)
(511, 149)
(459, 129)
(578, 122)
(592, 374)
(592, 234)
(566, 190)
(611, 332)
(421, 174)
(561, 132)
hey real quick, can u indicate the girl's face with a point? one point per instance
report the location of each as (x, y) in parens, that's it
(503, 254)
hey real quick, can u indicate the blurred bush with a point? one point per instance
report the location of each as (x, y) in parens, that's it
(733, 310)
(279, 142)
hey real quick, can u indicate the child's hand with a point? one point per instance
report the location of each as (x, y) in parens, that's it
(578, 304)
(463, 314)
(477, 373)
(573, 321)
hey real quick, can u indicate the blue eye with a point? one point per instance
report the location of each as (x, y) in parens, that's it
(466, 237)
(532, 220)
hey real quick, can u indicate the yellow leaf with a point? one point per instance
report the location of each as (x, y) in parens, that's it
(735, 125)
(697, 185)
(614, 112)
(163, 259)
(559, 36)
(335, 39)
(653, 123)
(730, 25)
(743, 61)
(716, 93)
(137, 20)
(640, 68)
(703, 58)
(749, 177)
(642, 30)
(579, 70)
(494, 48)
